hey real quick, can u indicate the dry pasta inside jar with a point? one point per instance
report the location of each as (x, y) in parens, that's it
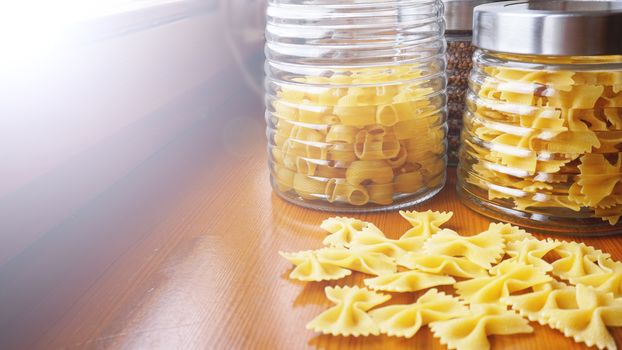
(353, 123)
(542, 139)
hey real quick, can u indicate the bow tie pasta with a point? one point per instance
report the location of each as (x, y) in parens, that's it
(545, 142)
(349, 315)
(470, 332)
(481, 275)
(406, 320)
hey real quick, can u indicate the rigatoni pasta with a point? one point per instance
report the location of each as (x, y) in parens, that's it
(364, 137)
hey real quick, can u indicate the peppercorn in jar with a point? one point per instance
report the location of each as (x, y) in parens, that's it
(458, 32)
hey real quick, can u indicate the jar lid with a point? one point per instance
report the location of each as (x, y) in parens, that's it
(459, 13)
(581, 28)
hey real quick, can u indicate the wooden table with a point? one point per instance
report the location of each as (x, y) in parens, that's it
(182, 253)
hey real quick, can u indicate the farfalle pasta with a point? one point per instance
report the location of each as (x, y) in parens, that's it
(509, 232)
(543, 296)
(530, 251)
(565, 285)
(368, 262)
(470, 332)
(579, 312)
(394, 248)
(576, 260)
(507, 277)
(407, 281)
(342, 230)
(310, 268)
(608, 279)
(442, 264)
(543, 141)
(406, 320)
(349, 315)
(351, 145)
(425, 223)
(584, 313)
(482, 249)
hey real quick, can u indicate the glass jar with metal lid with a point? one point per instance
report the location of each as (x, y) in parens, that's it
(542, 140)
(356, 103)
(459, 34)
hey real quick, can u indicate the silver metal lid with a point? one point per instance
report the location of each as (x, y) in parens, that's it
(554, 28)
(459, 13)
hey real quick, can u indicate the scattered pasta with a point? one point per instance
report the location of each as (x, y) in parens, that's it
(471, 332)
(608, 278)
(342, 230)
(580, 312)
(576, 259)
(406, 320)
(408, 281)
(310, 268)
(442, 264)
(507, 277)
(482, 249)
(499, 267)
(424, 224)
(349, 315)
(358, 260)
(531, 251)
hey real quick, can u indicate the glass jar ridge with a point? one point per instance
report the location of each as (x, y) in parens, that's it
(356, 102)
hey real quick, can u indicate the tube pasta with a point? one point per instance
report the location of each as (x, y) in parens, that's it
(357, 195)
(336, 141)
(306, 166)
(307, 187)
(375, 143)
(400, 159)
(375, 171)
(387, 115)
(337, 189)
(285, 110)
(311, 113)
(410, 182)
(341, 153)
(381, 193)
(341, 133)
(284, 178)
(328, 171)
(358, 116)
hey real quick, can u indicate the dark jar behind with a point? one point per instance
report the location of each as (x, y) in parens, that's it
(458, 33)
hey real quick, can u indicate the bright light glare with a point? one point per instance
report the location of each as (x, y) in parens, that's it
(31, 28)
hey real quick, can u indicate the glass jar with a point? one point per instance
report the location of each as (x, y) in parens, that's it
(542, 138)
(356, 103)
(458, 33)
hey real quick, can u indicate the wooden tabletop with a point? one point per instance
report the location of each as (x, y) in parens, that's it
(182, 254)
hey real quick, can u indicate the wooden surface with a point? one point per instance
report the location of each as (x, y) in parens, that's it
(182, 254)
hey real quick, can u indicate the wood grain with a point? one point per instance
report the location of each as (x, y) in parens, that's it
(182, 253)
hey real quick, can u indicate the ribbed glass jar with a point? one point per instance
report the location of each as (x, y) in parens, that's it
(355, 102)
(542, 141)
